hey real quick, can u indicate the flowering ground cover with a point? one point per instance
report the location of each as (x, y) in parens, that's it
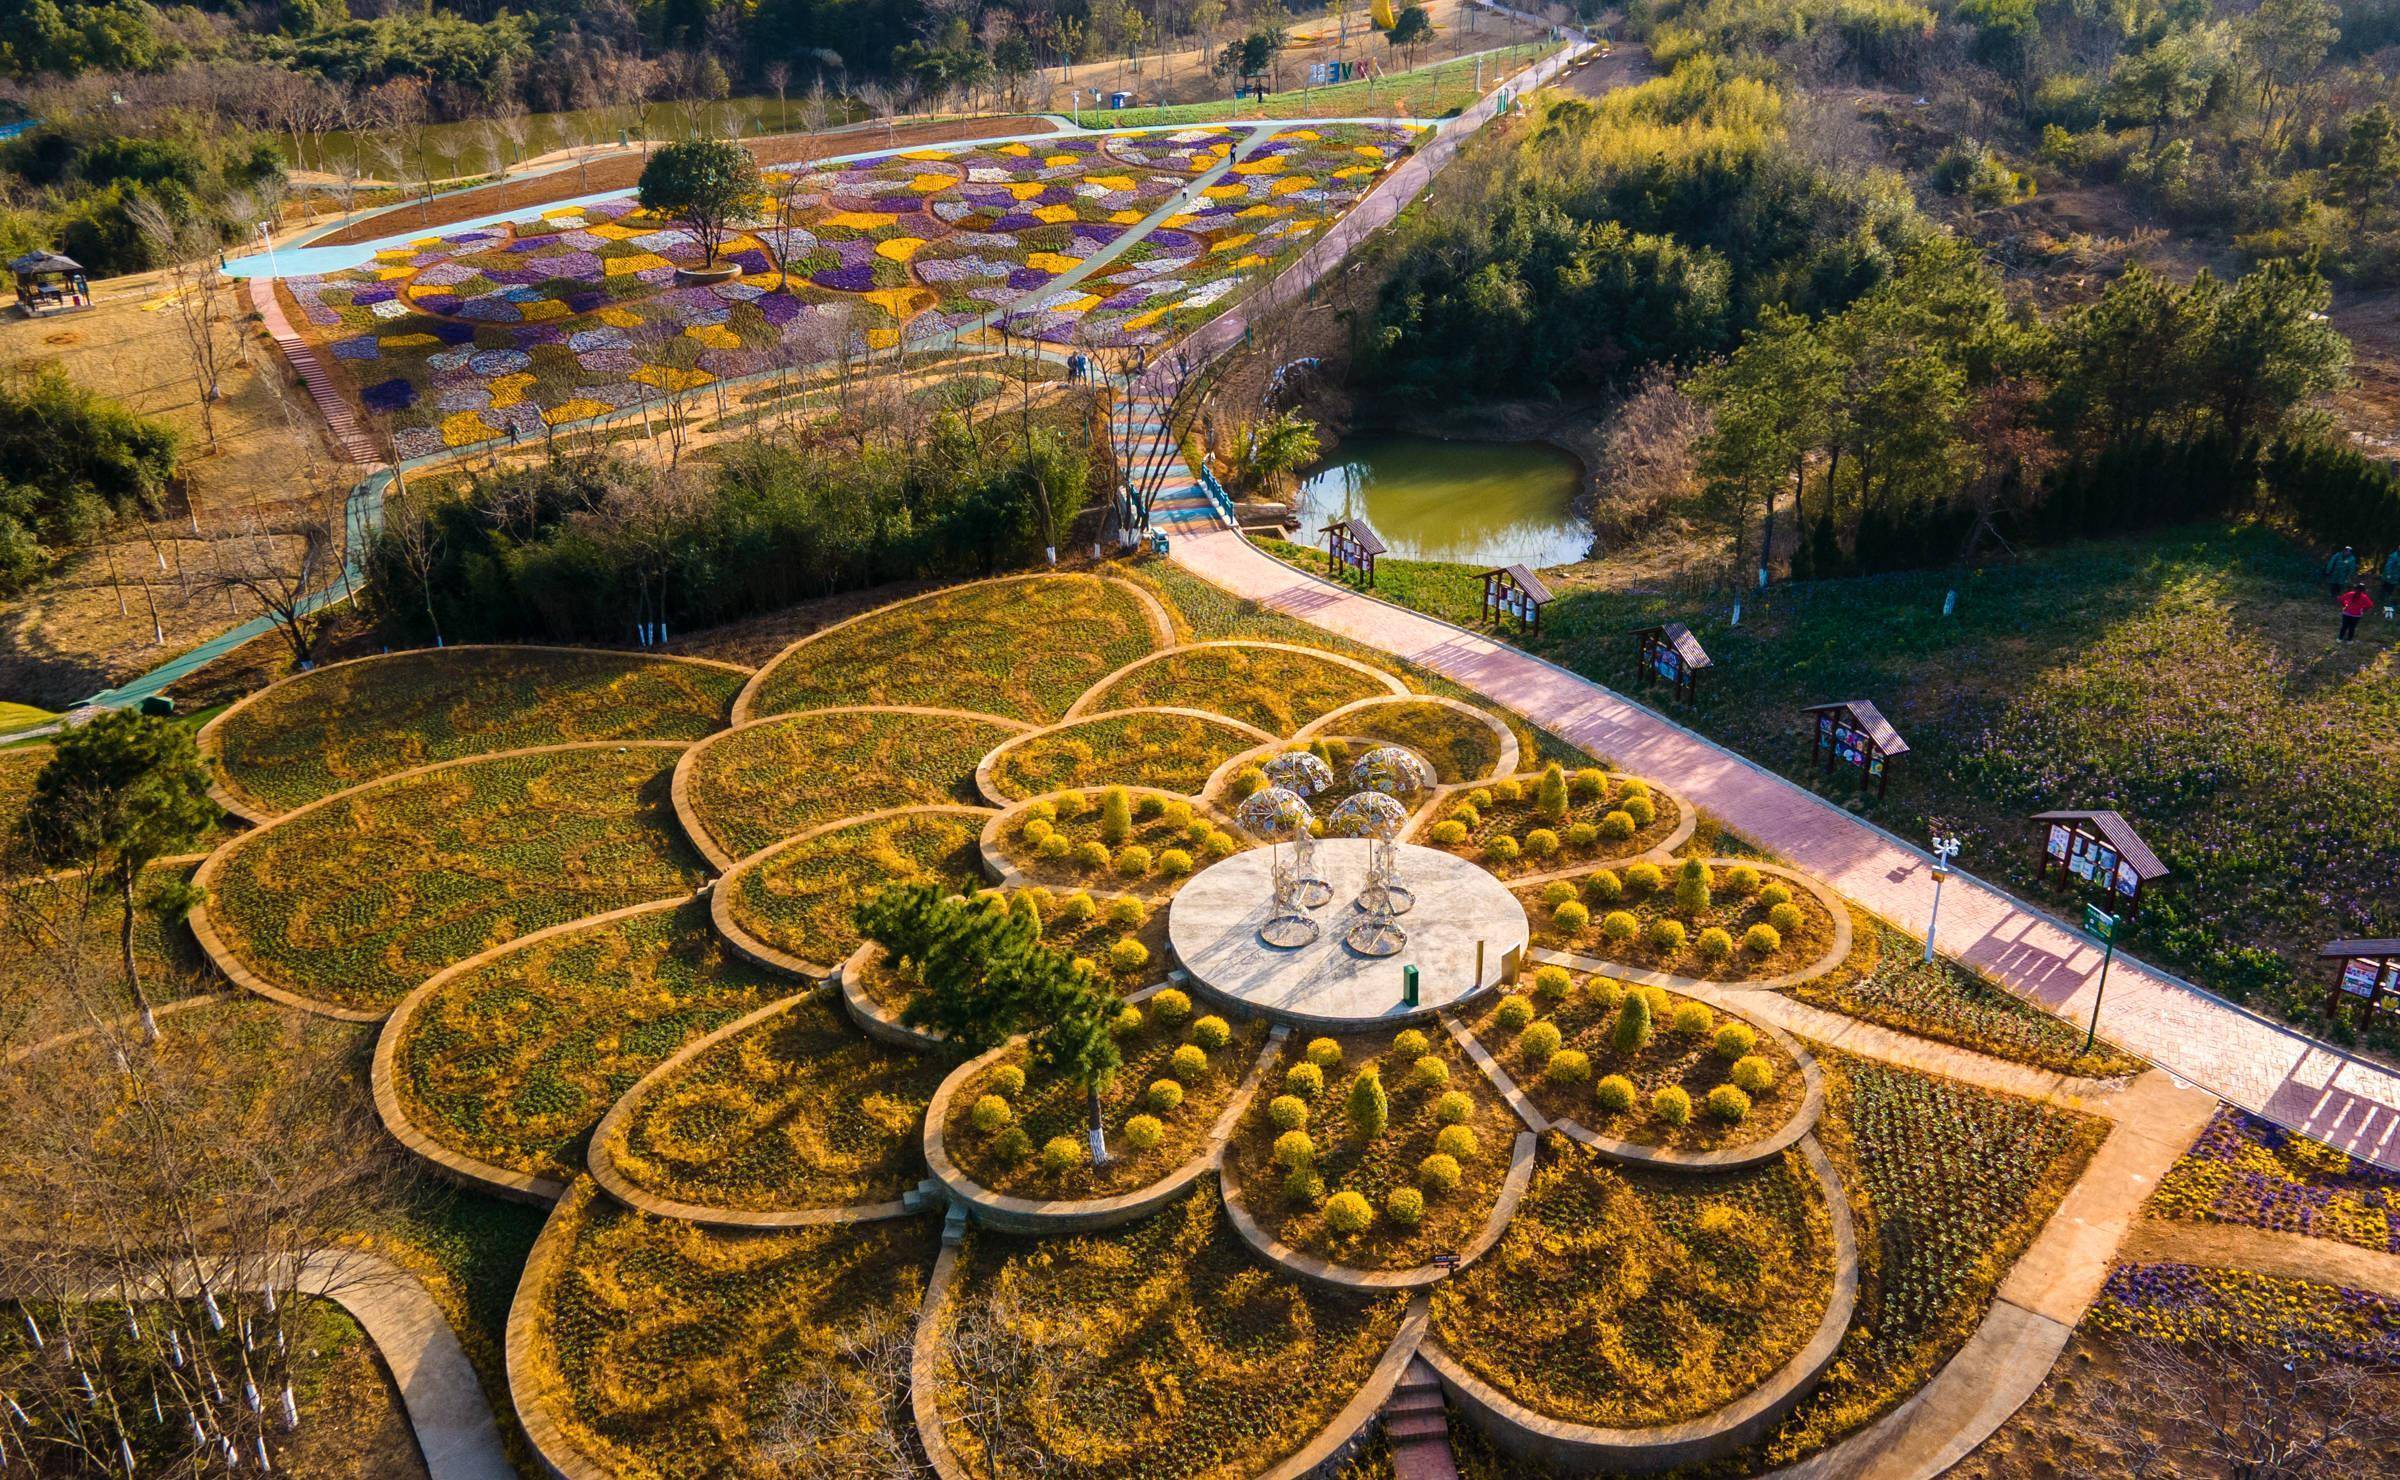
(1157, 748)
(1886, 981)
(513, 1062)
(2249, 1171)
(1273, 688)
(800, 1110)
(1457, 746)
(357, 901)
(1064, 841)
(2182, 1302)
(1560, 1042)
(800, 899)
(1750, 926)
(1024, 650)
(322, 731)
(766, 782)
(1502, 825)
(1430, 1174)
(663, 1349)
(1007, 1123)
(1735, 1273)
(1162, 1348)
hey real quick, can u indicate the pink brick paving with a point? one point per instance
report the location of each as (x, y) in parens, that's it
(349, 438)
(2262, 1067)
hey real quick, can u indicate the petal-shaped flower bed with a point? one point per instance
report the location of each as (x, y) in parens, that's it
(648, 1346)
(1103, 931)
(1171, 749)
(1460, 746)
(1299, 1144)
(1633, 1299)
(1162, 1349)
(1021, 649)
(1748, 925)
(1278, 689)
(768, 781)
(1066, 841)
(799, 1110)
(793, 905)
(332, 728)
(510, 1062)
(1599, 817)
(350, 902)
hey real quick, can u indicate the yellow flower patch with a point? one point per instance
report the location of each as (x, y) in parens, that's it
(1250, 259)
(925, 155)
(1017, 151)
(901, 303)
(393, 274)
(1176, 223)
(1141, 321)
(1054, 214)
(426, 243)
(667, 377)
(1124, 218)
(543, 309)
(715, 336)
(899, 248)
(1054, 161)
(395, 254)
(1113, 182)
(861, 220)
(929, 184)
(460, 428)
(1299, 136)
(1026, 190)
(1369, 151)
(409, 341)
(1271, 164)
(1353, 172)
(1290, 183)
(1226, 192)
(612, 231)
(424, 290)
(1084, 304)
(618, 318)
(638, 262)
(508, 390)
(1262, 209)
(882, 338)
(1231, 242)
(1051, 262)
(582, 408)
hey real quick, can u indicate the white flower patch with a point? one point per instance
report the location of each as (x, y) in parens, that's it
(1209, 294)
(390, 308)
(984, 174)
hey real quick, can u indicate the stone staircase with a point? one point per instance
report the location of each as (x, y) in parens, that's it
(1417, 1427)
(1183, 505)
(349, 438)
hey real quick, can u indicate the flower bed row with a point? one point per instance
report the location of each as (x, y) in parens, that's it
(1538, 823)
(1720, 922)
(799, 899)
(2252, 1172)
(1114, 839)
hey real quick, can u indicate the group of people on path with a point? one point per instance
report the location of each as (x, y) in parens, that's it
(2345, 578)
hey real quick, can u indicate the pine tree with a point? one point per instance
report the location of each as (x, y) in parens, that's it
(1370, 1107)
(1116, 817)
(1633, 1024)
(1550, 793)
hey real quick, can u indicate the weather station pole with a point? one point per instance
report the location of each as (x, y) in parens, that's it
(1944, 849)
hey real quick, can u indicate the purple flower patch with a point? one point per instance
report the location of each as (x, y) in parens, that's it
(368, 297)
(440, 303)
(779, 309)
(389, 395)
(1028, 277)
(454, 333)
(357, 347)
(848, 278)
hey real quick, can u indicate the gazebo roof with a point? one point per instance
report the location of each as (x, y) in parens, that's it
(33, 263)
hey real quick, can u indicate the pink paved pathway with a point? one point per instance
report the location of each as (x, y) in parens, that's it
(2258, 1065)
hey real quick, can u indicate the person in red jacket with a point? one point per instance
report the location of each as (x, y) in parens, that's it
(2355, 603)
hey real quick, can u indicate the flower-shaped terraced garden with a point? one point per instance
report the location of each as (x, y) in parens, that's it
(749, 1141)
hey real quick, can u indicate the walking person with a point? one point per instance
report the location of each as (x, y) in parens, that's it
(2391, 581)
(2354, 606)
(2340, 568)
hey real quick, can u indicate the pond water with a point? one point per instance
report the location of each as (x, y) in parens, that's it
(1481, 503)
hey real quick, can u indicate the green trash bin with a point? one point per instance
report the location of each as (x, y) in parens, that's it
(158, 704)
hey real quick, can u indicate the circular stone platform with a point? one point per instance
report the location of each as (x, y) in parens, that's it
(1213, 927)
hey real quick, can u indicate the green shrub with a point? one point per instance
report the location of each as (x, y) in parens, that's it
(1714, 943)
(1370, 1107)
(1513, 1013)
(1188, 1063)
(1666, 935)
(1727, 1103)
(1538, 1041)
(1618, 826)
(1550, 793)
(1294, 1149)
(1775, 894)
(1552, 984)
(1619, 927)
(1127, 910)
(1568, 1066)
(1410, 1043)
(1480, 799)
(1079, 908)
(1692, 1019)
(1571, 918)
(1614, 1094)
(1631, 1031)
(1061, 1154)
(1178, 815)
(1762, 940)
(1557, 892)
(1170, 1005)
(1036, 831)
(1247, 780)
(1288, 1113)
(1325, 1053)
(1507, 789)
(1128, 1021)
(1456, 1142)
(1218, 845)
(1008, 1080)
(1583, 836)
(1212, 1032)
(1588, 785)
(1754, 1073)
(1734, 1040)
(1091, 853)
(1348, 1214)
(1672, 1105)
(1404, 1206)
(1133, 861)
(1147, 806)
(1305, 1080)
(1116, 816)
(1692, 892)
(1542, 843)
(1127, 956)
(1501, 848)
(991, 1114)
(1467, 815)
(1053, 847)
(1448, 833)
(1786, 918)
(1639, 808)
(1174, 863)
(1633, 786)
(1144, 1132)
(1011, 1146)
(1741, 880)
(1455, 1107)
(1429, 1071)
(1304, 1186)
(1643, 880)
(1163, 1095)
(1438, 1173)
(1043, 812)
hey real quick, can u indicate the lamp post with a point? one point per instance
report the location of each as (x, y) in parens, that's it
(1944, 849)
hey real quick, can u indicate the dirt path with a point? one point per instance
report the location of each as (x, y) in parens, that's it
(2290, 1256)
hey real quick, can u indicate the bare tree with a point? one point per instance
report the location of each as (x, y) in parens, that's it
(851, 1422)
(2269, 1408)
(289, 571)
(778, 75)
(197, 296)
(412, 533)
(998, 1358)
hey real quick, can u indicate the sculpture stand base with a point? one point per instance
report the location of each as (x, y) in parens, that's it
(1315, 894)
(1288, 932)
(1375, 937)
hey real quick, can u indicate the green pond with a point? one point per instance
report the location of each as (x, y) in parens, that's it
(1479, 503)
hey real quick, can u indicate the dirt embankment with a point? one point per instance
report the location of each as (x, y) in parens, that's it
(621, 171)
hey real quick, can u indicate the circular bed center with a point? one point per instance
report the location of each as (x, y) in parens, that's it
(1464, 933)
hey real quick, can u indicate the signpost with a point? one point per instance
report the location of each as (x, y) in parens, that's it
(1944, 849)
(2104, 925)
(1408, 985)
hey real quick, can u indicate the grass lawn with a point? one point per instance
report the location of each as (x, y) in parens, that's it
(1436, 91)
(2187, 677)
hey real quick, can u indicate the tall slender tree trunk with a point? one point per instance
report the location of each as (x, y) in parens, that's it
(133, 975)
(1099, 1126)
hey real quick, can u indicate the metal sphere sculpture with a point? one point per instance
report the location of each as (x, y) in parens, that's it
(1380, 820)
(1276, 816)
(1304, 774)
(1392, 771)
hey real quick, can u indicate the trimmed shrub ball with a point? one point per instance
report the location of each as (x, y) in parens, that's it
(1762, 940)
(1429, 1072)
(1727, 1103)
(1754, 1073)
(1305, 1080)
(1557, 892)
(1644, 879)
(1735, 1040)
(1568, 1066)
(1163, 1094)
(1061, 1154)
(1513, 1013)
(1666, 936)
(1126, 910)
(1619, 927)
(991, 1113)
(1602, 886)
(1714, 943)
(1583, 836)
(1127, 956)
(1672, 1105)
(1785, 917)
(1011, 1146)
(1542, 843)
(1501, 849)
(1170, 1005)
(1640, 809)
(1188, 1062)
(1349, 1214)
(1304, 1187)
(1618, 827)
(1325, 1053)
(1615, 1094)
(1552, 984)
(1079, 908)
(1294, 1149)
(1133, 860)
(1410, 1043)
(1775, 894)
(1448, 833)
(1288, 1113)
(1692, 1019)
(1538, 1041)
(1438, 1174)
(1174, 863)
(1144, 1132)
(1211, 1032)
(1405, 1206)
(1091, 853)
(1571, 917)
(1456, 1142)
(1455, 1107)
(1008, 1080)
